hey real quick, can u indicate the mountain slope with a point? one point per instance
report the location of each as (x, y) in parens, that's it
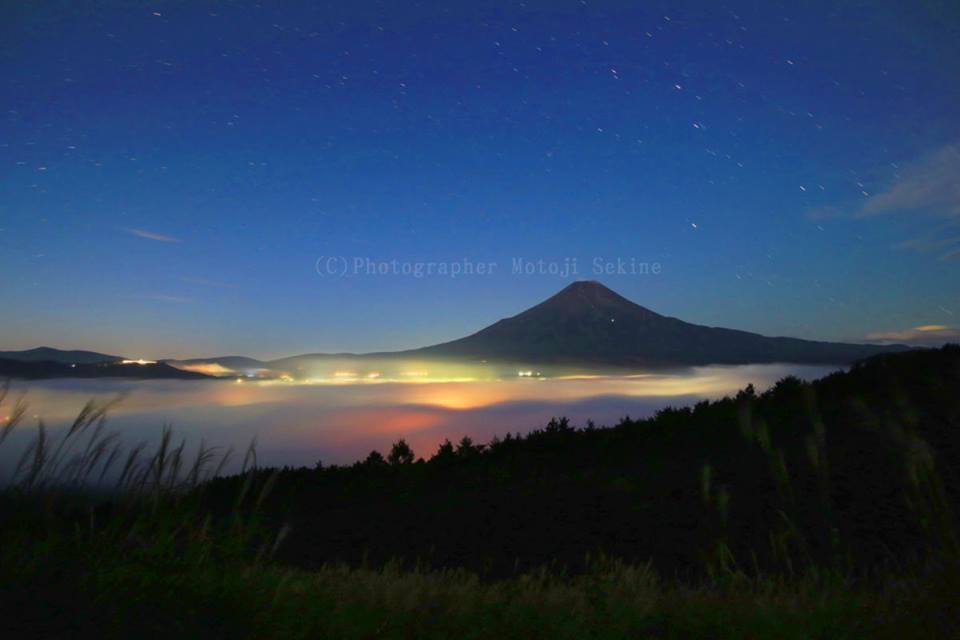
(43, 369)
(587, 322)
(49, 354)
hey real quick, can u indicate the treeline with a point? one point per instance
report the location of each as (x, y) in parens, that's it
(855, 472)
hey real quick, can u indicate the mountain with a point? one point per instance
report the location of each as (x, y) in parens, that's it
(588, 323)
(49, 354)
(32, 369)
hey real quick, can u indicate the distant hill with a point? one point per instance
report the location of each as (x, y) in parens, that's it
(589, 323)
(49, 354)
(35, 370)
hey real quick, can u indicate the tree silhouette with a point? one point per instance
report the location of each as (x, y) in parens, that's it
(444, 451)
(401, 453)
(561, 425)
(375, 459)
(466, 448)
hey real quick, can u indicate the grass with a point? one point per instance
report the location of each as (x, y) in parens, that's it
(103, 596)
(149, 560)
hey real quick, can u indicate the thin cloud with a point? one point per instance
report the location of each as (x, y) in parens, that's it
(926, 243)
(928, 189)
(953, 254)
(151, 235)
(923, 335)
(930, 186)
(943, 240)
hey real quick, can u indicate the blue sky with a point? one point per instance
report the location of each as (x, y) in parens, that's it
(170, 172)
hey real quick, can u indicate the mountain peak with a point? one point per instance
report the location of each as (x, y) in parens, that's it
(594, 287)
(585, 295)
(591, 288)
(586, 284)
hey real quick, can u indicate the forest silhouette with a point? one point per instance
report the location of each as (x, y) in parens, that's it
(855, 470)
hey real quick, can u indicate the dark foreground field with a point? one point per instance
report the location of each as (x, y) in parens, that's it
(817, 510)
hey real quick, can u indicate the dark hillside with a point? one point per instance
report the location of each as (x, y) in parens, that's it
(855, 469)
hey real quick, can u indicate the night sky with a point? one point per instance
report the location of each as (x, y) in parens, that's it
(171, 172)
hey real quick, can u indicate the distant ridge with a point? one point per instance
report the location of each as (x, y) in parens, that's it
(43, 369)
(47, 362)
(49, 354)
